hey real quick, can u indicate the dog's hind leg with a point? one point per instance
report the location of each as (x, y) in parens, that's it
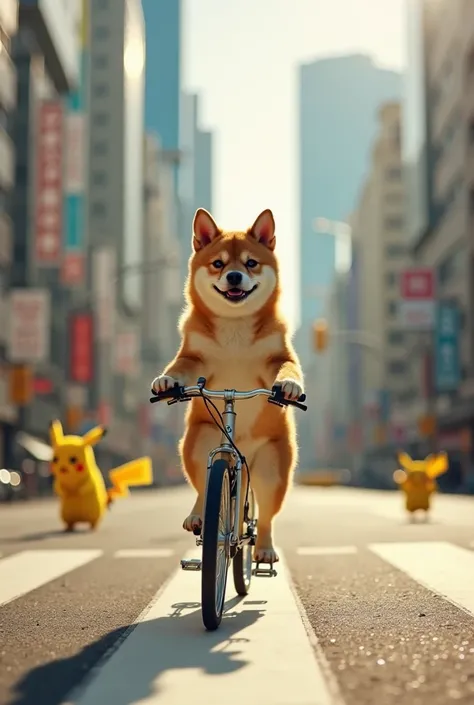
(198, 440)
(270, 475)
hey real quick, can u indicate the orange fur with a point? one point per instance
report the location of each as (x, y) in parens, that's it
(243, 350)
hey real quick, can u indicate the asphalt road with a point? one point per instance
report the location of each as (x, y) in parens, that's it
(367, 609)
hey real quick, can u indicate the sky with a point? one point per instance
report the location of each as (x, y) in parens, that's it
(242, 56)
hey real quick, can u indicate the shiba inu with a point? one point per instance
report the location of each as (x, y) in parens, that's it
(233, 334)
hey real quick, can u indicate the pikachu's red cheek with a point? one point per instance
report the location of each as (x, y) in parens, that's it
(79, 467)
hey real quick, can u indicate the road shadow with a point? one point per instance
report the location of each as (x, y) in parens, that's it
(175, 642)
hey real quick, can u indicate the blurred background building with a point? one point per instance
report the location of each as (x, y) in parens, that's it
(408, 318)
(94, 237)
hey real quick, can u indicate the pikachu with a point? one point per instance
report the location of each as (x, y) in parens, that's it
(418, 479)
(78, 481)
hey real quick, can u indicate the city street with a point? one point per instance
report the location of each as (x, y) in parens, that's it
(366, 608)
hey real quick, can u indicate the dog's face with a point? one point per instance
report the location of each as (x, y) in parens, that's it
(234, 274)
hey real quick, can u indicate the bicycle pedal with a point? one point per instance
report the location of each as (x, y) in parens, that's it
(266, 571)
(191, 564)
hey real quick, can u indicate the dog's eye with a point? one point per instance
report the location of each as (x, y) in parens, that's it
(251, 263)
(218, 264)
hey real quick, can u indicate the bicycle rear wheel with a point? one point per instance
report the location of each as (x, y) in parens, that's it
(216, 544)
(242, 562)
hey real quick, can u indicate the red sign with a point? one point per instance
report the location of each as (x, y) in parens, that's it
(43, 385)
(49, 185)
(81, 341)
(72, 272)
(417, 284)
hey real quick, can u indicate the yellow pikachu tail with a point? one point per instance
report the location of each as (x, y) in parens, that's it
(137, 472)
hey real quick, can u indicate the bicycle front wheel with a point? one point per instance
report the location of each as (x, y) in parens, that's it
(217, 531)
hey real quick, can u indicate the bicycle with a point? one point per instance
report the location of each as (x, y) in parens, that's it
(220, 535)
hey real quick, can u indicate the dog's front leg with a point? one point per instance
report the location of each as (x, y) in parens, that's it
(290, 377)
(181, 370)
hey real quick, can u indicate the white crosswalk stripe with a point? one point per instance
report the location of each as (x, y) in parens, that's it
(23, 572)
(326, 550)
(440, 566)
(169, 655)
(144, 553)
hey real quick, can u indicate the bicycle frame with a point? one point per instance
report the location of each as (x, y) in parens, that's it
(228, 453)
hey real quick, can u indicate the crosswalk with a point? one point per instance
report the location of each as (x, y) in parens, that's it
(167, 655)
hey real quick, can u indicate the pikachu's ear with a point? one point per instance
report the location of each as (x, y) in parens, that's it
(437, 464)
(95, 435)
(405, 461)
(56, 432)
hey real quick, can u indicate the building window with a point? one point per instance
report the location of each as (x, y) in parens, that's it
(395, 337)
(102, 4)
(391, 278)
(98, 208)
(395, 250)
(100, 119)
(393, 223)
(100, 148)
(397, 367)
(101, 32)
(100, 90)
(99, 178)
(100, 61)
(394, 173)
(392, 308)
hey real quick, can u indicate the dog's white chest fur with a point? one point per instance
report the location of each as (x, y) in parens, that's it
(235, 360)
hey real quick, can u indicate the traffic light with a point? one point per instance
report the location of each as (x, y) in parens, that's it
(320, 335)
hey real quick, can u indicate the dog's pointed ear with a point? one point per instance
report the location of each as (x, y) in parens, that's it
(204, 229)
(263, 230)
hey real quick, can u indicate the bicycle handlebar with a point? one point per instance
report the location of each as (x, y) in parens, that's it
(179, 393)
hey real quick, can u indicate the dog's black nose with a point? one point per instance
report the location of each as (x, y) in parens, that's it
(234, 278)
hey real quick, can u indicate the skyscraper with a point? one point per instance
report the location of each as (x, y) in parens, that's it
(338, 103)
(195, 177)
(163, 74)
(115, 213)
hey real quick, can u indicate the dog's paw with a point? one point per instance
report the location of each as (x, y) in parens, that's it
(290, 388)
(265, 555)
(193, 521)
(163, 383)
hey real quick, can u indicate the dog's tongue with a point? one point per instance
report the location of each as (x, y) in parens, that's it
(235, 293)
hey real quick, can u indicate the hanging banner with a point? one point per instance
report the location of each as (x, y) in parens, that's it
(82, 352)
(447, 348)
(48, 220)
(29, 317)
(73, 262)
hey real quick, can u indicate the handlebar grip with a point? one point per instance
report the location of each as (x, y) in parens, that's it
(279, 398)
(173, 393)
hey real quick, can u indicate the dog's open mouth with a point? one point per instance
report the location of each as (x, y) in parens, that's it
(235, 294)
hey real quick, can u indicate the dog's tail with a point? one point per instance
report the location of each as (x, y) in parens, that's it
(137, 472)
